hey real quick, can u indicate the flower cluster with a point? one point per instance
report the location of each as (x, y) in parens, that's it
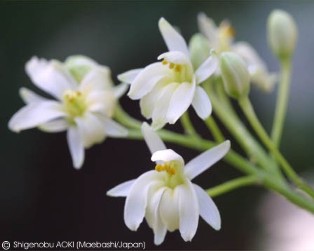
(83, 101)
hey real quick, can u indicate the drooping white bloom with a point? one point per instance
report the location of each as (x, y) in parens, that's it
(83, 104)
(167, 88)
(166, 197)
(221, 38)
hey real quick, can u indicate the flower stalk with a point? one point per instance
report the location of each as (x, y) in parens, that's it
(282, 102)
(248, 110)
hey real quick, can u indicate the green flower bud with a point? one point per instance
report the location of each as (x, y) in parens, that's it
(199, 49)
(282, 33)
(235, 75)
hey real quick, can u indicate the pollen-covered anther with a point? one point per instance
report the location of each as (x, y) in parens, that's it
(227, 30)
(172, 66)
(178, 68)
(165, 167)
(164, 62)
(72, 95)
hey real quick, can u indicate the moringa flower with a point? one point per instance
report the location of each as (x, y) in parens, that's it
(221, 39)
(167, 88)
(84, 103)
(166, 197)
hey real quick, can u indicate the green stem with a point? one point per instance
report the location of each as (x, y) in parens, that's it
(232, 185)
(248, 110)
(228, 116)
(213, 127)
(187, 124)
(282, 102)
(289, 194)
(125, 119)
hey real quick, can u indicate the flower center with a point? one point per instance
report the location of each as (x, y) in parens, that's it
(74, 103)
(174, 172)
(181, 72)
(168, 167)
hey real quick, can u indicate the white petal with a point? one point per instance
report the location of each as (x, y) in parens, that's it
(153, 141)
(257, 68)
(97, 79)
(76, 147)
(34, 114)
(207, 27)
(160, 232)
(29, 96)
(49, 76)
(58, 125)
(101, 102)
(153, 215)
(152, 209)
(147, 79)
(173, 40)
(136, 201)
(155, 104)
(121, 190)
(129, 76)
(120, 89)
(149, 101)
(161, 105)
(206, 69)
(206, 159)
(176, 57)
(208, 209)
(167, 155)
(188, 211)
(169, 209)
(113, 129)
(248, 53)
(180, 101)
(264, 80)
(201, 103)
(91, 129)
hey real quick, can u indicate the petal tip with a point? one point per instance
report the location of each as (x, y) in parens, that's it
(162, 21)
(133, 226)
(77, 166)
(227, 144)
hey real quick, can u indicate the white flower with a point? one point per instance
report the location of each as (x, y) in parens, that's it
(166, 197)
(84, 103)
(221, 39)
(166, 89)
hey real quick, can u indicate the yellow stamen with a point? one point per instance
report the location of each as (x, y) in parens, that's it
(178, 68)
(171, 65)
(227, 30)
(164, 62)
(165, 167)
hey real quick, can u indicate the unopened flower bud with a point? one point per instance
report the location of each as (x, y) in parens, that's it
(199, 49)
(282, 33)
(235, 75)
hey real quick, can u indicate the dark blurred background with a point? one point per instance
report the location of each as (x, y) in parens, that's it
(43, 198)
